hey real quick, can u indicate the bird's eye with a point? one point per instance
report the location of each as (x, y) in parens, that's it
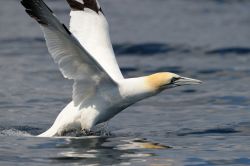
(174, 79)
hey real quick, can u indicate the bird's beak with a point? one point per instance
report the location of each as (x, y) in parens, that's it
(186, 81)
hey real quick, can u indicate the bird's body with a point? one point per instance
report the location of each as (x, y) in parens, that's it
(101, 106)
(85, 54)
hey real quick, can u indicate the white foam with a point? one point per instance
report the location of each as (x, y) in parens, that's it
(14, 132)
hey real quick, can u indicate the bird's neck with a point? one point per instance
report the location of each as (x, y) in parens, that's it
(136, 89)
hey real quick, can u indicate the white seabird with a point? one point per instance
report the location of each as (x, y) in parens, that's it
(85, 54)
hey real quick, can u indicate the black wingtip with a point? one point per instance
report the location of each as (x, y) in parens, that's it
(38, 10)
(91, 4)
(32, 9)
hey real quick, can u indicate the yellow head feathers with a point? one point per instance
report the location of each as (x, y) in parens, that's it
(155, 81)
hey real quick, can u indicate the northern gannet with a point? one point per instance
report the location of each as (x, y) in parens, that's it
(85, 54)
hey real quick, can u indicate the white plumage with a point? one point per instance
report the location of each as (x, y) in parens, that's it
(85, 55)
(92, 31)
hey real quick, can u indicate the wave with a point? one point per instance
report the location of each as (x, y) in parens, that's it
(230, 51)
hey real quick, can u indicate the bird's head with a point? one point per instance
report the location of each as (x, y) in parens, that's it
(165, 80)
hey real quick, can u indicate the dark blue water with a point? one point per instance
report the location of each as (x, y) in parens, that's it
(193, 126)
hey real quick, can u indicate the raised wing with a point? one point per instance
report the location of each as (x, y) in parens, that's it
(73, 60)
(90, 27)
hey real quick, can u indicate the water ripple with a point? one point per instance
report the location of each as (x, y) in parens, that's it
(210, 131)
(230, 51)
(148, 49)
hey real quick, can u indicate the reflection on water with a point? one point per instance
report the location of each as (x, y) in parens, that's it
(105, 150)
(140, 144)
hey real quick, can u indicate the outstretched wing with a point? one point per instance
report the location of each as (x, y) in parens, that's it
(73, 60)
(90, 27)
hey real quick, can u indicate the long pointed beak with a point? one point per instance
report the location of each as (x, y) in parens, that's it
(187, 81)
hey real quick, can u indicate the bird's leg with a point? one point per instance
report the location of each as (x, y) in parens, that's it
(87, 132)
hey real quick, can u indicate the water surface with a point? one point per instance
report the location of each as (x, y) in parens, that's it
(194, 126)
